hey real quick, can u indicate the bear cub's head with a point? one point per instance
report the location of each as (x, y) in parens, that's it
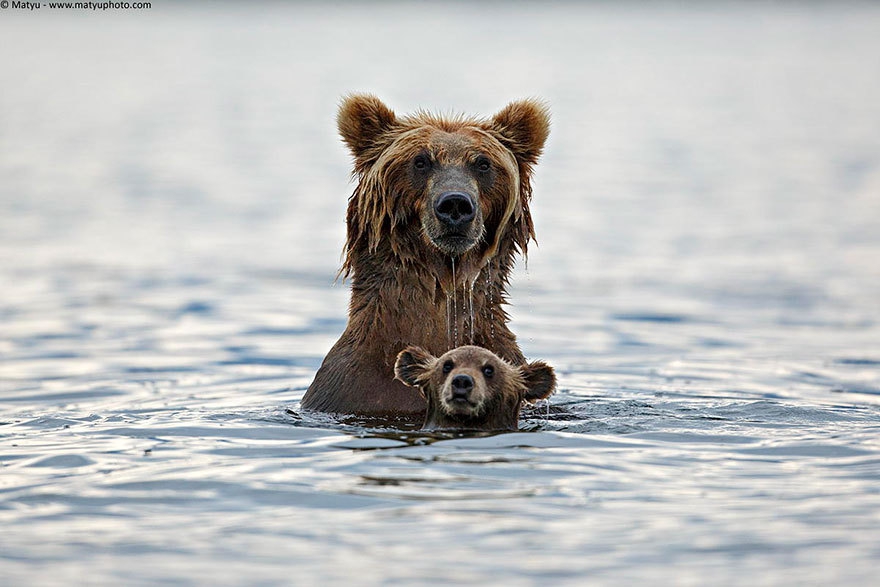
(471, 388)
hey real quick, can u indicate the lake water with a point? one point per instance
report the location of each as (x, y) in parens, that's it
(707, 285)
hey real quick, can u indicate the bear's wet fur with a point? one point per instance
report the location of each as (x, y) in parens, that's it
(471, 388)
(440, 211)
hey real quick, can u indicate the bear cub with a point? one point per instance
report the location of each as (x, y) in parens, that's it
(471, 388)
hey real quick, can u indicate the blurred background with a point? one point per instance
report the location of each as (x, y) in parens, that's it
(172, 203)
(688, 138)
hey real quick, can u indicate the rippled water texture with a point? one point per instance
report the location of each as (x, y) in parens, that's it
(707, 286)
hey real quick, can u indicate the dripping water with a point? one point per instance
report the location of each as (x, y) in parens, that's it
(452, 311)
(454, 306)
(468, 313)
(470, 303)
(489, 302)
(449, 319)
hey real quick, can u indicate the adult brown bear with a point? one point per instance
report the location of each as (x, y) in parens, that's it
(440, 210)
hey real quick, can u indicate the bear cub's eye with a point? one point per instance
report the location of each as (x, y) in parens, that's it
(447, 366)
(421, 163)
(488, 371)
(483, 164)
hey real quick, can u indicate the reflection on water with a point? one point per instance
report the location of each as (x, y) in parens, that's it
(706, 286)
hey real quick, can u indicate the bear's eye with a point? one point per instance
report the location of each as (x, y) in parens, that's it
(447, 366)
(488, 371)
(483, 164)
(421, 163)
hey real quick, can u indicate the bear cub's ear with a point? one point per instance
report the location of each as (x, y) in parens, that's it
(540, 380)
(523, 127)
(361, 120)
(413, 366)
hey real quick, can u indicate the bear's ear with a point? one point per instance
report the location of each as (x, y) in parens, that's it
(362, 119)
(412, 366)
(540, 380)
(523, 128)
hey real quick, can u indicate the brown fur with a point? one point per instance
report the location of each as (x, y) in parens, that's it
(406, 268)
(498, 390)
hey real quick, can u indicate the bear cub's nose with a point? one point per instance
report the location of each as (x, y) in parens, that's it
(462, 386)
(455, 208)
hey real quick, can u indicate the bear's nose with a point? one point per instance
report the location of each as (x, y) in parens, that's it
(462, 386)
(455, 208)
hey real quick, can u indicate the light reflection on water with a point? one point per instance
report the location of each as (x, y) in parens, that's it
(706, 285)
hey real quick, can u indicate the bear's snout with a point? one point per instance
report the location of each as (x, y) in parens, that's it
(462, 385)
(452, 218)
(453, 222)
(455, 209)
